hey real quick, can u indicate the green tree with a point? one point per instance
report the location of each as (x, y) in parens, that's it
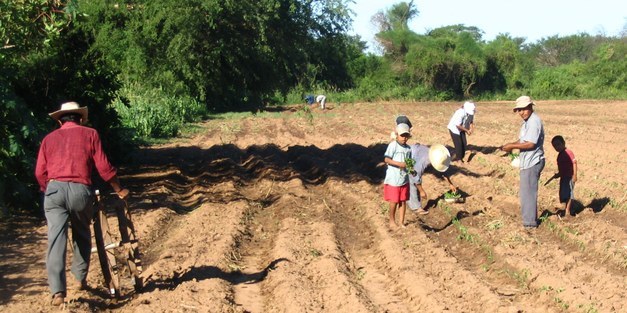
(451, 61)
(508, 67)
(394, 34)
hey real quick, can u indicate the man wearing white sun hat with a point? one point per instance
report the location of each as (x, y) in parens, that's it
(530, 143)
(425, 158)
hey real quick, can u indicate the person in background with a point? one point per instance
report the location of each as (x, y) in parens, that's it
(530, 144)
(458, 131)
(66, 159)
(401, 119)
(566, 171)
(319, 99)
(396, 183)
(469, 122)
(436, 157)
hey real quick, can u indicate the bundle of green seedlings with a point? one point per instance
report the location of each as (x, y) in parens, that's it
(409, 166)
(452, 195)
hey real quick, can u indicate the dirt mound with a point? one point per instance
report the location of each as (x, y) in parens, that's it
(282, 211)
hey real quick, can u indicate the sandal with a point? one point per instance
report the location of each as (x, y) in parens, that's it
(422, 212)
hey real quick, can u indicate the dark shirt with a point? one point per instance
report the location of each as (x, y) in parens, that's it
(565, 161)
(69, 154)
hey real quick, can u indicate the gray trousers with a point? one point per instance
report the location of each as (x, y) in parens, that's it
(414, 198)
(65, 201)
(529, 193)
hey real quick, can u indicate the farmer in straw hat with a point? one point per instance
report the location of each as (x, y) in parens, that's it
(65, 162)
(438, 158)
(530, 143)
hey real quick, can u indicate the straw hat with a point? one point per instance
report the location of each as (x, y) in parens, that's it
(70, 107)
(439, 157)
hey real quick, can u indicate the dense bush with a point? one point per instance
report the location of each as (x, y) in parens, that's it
(153, 113)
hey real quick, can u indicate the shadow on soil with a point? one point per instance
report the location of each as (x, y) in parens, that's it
(459, 216)
(209, 272)
(182, 178)
(596, 205)
(12, 249)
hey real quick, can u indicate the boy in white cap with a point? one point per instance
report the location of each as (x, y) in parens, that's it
(396, 183)
(530, 144)
(438, 158)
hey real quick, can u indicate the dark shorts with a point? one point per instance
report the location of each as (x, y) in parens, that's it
(567, 189)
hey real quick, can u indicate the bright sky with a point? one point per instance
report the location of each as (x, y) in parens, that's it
(531, 19)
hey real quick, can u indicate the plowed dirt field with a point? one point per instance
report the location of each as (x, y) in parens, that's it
(282, 211)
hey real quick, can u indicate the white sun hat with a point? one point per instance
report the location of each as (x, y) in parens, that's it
(70, 107)
(469, 108)
(439, 157)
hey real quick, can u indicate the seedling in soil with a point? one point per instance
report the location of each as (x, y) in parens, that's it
(315, 252)
(452, 196)
(512, 156)
(495, 224)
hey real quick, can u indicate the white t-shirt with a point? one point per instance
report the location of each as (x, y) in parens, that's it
(456, 119)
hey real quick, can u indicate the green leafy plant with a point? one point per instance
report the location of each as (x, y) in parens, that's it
(512, 156)
(409, 162)
(452, 195)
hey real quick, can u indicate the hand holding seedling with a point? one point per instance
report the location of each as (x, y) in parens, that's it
(409, 166)
(452, 194)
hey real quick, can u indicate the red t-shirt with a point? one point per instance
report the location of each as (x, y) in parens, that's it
(565, 162)
(69, 154)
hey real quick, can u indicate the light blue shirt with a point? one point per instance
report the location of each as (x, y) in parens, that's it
(532, 130)
(395, 176)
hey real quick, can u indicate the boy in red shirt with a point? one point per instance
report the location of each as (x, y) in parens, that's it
(566, 171)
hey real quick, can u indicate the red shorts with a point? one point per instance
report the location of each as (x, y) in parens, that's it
(396, 194)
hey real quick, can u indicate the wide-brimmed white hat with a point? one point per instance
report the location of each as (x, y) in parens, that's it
(439, 157)
(70, 107)
(523, 102)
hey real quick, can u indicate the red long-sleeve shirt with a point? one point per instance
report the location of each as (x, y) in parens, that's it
(70, 154)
